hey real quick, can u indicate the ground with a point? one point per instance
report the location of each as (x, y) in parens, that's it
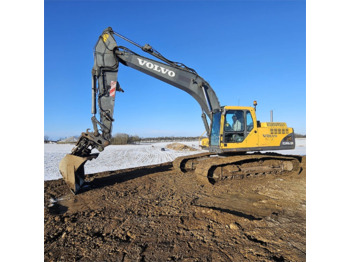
(154, 213)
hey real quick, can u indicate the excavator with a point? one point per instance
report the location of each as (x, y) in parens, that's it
(235, 138)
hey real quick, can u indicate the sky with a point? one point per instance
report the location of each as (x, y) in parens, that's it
(246, 50)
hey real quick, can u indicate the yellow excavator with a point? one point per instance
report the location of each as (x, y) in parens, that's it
(233, 132)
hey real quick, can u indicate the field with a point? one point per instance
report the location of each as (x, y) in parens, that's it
(138, 208)
(126, 156)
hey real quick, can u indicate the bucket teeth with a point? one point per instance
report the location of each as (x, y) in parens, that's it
(72, 169)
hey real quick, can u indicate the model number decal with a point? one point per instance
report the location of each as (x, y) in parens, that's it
(269, 135)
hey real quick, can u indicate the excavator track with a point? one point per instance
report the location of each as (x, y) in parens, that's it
(212, 168)
(186, 163)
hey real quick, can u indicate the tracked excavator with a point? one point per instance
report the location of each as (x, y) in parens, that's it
(235, 138)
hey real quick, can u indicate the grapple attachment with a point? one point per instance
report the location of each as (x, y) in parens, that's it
(72, 169)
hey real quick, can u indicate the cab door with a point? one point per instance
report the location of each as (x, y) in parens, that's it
(234, 127)
(251, 134)
(239, 129)
(215, 131)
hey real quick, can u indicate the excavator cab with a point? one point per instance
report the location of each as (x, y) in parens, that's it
(230, 128)
(236, 128)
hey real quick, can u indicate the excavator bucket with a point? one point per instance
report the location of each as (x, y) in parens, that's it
(72, 169)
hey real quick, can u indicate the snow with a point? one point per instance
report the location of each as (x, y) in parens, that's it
(116, 157)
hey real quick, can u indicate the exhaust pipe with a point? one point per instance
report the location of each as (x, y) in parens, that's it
(72, 169)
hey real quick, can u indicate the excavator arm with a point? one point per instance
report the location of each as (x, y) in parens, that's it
(104, 86)
(107, 57)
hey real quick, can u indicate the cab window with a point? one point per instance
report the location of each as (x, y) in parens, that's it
(215, 130)
(250, 124)
(234, 126)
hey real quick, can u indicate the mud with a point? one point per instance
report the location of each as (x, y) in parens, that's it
(157, 214)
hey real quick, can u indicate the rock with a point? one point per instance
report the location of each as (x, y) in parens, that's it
(233, 226)
(129, 234)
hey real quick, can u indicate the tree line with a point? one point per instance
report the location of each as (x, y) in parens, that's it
(123, 139)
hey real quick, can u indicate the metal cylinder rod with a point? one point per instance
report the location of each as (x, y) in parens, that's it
(206, 98)
(126, 39)
(93, 102)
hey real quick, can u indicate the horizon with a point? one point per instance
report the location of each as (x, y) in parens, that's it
(155, 137)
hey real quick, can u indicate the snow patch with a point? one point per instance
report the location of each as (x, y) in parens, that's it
(117, 157)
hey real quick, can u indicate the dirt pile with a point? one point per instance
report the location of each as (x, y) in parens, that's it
(156, 214)
(180, 147)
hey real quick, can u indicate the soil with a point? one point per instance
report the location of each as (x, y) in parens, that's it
(180, 147)
(154, 213)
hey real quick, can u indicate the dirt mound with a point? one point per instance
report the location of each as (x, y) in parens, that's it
(156, 214)
(180, 147)
(71, 139)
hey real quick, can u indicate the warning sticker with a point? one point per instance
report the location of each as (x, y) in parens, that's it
(113, 88)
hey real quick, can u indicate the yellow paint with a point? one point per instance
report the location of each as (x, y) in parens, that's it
(204, 142)
(105, 37)
(269, 134)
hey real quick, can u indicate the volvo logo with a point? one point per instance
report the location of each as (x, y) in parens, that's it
(156, 68)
